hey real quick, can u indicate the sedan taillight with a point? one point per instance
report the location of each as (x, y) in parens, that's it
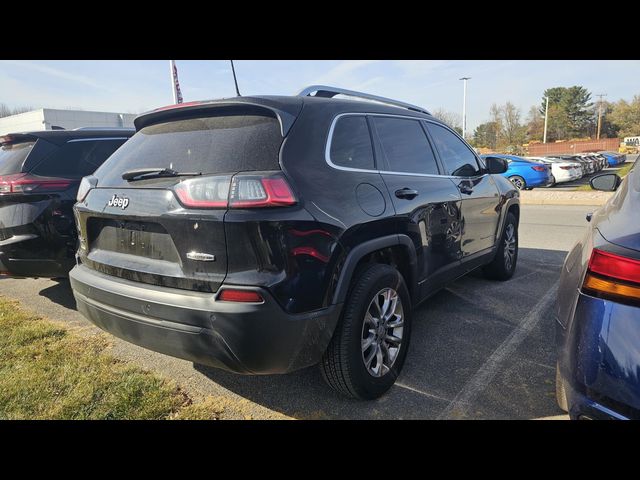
(539, 168)
(613, 276)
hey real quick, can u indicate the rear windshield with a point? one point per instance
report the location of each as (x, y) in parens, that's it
(12, 156)
(215, 144)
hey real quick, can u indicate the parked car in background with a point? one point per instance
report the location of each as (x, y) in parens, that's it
(561, 170)
(614, 158)
(597, 165)
(587, 165)
(601, 158)
(39, 177)
(598, 310)
(266, 234)
(524, 174)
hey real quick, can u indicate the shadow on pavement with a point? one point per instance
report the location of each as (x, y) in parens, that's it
(60, 293)
(454, 334)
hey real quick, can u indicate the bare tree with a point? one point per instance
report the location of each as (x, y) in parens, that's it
(450, 118)
(6, 111)
(511, 128)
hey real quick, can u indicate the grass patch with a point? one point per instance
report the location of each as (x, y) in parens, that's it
(49, 372)
(625, 169)
(622, 172)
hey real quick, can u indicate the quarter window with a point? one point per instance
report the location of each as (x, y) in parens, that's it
(458, 158)
(351, 143)
(405, 145)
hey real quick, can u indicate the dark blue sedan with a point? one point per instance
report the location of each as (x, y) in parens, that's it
(598, 324)
(524, 174)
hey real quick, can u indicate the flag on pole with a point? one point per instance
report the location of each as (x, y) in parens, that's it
(177, 95)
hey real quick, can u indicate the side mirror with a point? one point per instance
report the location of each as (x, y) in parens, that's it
(607, 182)
(496, 165)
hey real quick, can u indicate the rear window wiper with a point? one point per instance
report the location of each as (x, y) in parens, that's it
(153, 172)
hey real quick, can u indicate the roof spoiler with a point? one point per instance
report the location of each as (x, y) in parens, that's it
(185, 110)
(326, 91)
(16, 138)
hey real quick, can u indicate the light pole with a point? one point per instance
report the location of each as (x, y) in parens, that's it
(546, 116)
(464, 107)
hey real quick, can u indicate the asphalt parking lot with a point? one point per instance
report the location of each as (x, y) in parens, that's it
(479, 349)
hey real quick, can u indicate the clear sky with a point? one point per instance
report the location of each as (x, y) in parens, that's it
(136, 86)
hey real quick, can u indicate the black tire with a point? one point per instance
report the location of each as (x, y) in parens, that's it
(343, 365)
(500, 268)
(561, 393)
(518, 182)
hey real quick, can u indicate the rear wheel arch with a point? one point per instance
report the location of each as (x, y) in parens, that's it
(397, 251)
(515, 209)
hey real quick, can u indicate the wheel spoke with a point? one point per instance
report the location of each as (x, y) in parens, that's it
(398, 322)
(367, 342)
(369, 359)
(379, 362)
(378, 312)
(393, 303)
(392, 339)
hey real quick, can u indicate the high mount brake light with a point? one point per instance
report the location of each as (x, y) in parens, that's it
(241, 191)
(613, 276)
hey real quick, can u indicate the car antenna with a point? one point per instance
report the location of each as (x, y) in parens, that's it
(234, 78)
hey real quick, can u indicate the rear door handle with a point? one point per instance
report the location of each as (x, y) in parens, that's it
(406, 193)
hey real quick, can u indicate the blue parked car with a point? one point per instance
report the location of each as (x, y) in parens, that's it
(614, 158)
(598, 310)
(524, 174)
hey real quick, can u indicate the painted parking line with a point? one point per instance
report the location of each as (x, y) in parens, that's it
(482, 378)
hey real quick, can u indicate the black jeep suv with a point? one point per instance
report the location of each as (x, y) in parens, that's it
(39, 177)
(266, 234)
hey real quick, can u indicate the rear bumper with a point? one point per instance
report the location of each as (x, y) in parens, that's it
(239, 337)
(537, 180)
(599, 358)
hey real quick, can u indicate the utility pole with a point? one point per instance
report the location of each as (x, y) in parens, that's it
(600, 95)
(546, 116)
(464, 107)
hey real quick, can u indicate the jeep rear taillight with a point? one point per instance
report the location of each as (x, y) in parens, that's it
(248, 191)
(204, 192)
(240, 191)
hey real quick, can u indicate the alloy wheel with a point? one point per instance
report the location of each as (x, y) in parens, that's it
(519, 184)
(382, 332)
(509, 246)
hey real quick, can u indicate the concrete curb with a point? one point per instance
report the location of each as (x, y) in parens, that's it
(564, 198)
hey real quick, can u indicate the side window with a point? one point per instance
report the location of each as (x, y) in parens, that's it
(458, 158)
(77, 159)
(405, 145)
(351, 143)
(102, 149)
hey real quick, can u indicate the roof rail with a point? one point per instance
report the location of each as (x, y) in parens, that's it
(329, 92)
(104, 128)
